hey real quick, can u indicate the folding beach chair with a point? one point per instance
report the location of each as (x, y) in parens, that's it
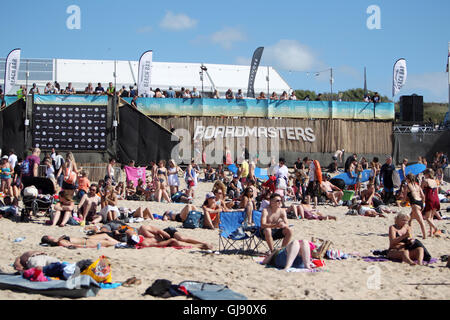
(232, 235)
(257, 239)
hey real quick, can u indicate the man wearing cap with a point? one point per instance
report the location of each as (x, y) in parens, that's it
(234, 188)
(274, 223)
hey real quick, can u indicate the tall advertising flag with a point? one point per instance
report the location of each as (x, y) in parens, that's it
(253, 69)
(12, 70)
(400, 74)
(144, 73)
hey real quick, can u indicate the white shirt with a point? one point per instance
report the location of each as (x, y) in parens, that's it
(50, 172)
(281, 172)
(12, 160)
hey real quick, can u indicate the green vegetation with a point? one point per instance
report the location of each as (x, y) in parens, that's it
(348, 95)
(431, 110)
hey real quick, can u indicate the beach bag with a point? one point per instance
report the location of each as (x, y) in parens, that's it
(193, 220)
(99, 270)
(31, 192)
(70, 177)
(160, 288)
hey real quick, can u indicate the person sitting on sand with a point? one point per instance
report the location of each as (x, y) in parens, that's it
(226, 204)
(274, 223)
(33, 259)
(87, 242)
(130, 191)
(400, 238)
(332, 192)
(169, 237)
(65, 207)
(87, 208)
(211, 211)
(248, 204)
(297, 254)
(109, 211)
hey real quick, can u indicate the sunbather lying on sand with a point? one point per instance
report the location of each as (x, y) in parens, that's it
(87, 242)
(296, 254)
(33, 259)
(169, 237)
(306, 211)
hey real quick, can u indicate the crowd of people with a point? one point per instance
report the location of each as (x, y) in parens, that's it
(96, 204)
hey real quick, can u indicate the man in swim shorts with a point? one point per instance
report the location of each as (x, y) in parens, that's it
(274, 223)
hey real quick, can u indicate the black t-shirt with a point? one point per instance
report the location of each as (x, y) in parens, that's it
(298, 165)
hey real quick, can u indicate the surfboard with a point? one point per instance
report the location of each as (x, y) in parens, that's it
(318, 171)
(349, 181)
(396, 179)
(415, 169)
(233, 168)
(261, 174)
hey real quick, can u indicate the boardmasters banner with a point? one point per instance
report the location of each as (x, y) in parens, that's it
(77, 123)
(264, 108)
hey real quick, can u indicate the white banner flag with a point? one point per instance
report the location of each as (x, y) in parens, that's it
(400, 74)
(12, 70)
(144, 73)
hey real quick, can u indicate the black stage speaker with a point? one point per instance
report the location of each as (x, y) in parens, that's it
(411, 108)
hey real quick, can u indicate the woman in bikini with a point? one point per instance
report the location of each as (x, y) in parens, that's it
(400, 237)
(248, 204)
(6, 172)
(87, 242)
(416, 198)
(432, 204)
(161, 182)
(211, 212)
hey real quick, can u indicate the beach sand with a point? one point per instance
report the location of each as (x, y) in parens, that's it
(346, 279)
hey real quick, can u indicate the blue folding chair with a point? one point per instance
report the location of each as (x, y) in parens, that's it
(257, 239)
(232, 235)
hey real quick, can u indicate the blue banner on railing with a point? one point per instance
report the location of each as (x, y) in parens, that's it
(80, 100)
(264, 108)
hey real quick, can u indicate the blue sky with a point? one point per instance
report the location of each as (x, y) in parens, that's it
(298, 36)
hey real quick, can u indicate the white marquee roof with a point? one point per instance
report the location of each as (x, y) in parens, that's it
(164, 74)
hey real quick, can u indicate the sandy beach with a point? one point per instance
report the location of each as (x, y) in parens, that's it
(345, 279)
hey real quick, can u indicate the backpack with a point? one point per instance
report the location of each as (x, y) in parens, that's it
(193, 220)
(25, 167)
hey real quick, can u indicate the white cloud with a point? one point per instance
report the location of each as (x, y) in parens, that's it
(227, 36)
(435, 85)
(243, 61)
(291, 55)
(145, 29)
(177, 22)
